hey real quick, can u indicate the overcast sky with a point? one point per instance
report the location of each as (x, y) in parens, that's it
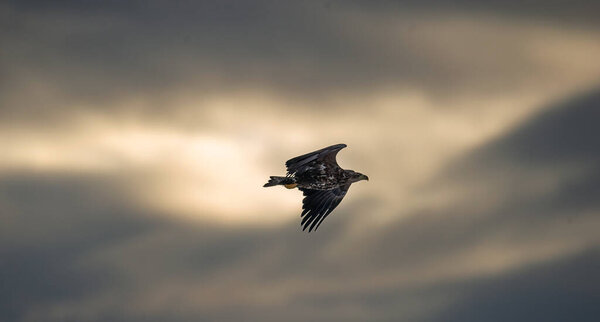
(136, 137)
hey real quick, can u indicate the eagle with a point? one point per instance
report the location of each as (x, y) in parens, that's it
(323, 182)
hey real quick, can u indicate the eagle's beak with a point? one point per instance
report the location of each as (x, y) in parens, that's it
(364, 177)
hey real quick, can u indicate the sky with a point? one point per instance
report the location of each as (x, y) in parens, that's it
(136, 137)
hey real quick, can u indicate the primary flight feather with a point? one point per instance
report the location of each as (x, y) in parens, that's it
(323, 182)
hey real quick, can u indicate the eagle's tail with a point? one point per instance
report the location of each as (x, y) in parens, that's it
(287, 181)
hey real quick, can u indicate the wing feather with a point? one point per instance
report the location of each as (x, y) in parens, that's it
(321, 212)
(318, 204)
(326, 156)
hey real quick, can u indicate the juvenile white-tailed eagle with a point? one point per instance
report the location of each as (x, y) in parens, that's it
(322, 181)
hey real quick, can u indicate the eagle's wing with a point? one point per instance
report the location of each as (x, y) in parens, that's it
(326, 156)
(317, 204)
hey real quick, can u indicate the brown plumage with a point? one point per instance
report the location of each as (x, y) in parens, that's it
(323, 182)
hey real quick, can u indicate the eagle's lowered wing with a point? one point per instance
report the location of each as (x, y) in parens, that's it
(325, 156)
(317, 204)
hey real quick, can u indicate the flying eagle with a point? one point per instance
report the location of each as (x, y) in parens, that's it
(322, 181)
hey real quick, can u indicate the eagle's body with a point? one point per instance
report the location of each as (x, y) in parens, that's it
(323, 182)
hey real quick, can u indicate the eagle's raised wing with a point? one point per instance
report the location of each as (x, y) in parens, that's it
(325, 156)
(317, 204)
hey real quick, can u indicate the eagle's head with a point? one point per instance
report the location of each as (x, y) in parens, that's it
(357, 176)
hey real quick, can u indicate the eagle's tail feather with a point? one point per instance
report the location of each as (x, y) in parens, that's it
(274, 181)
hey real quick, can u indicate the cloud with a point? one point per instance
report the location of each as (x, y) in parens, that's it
(137, 59)
(136, 137)
(551, 291)
(78, 248)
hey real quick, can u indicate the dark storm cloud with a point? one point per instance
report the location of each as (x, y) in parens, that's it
(557, 146)
(49, 222)
(561, 138)
(156, 44)
(557, 290)
(564, 132)
(83, 53)
(76, 248)
(581, 12)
